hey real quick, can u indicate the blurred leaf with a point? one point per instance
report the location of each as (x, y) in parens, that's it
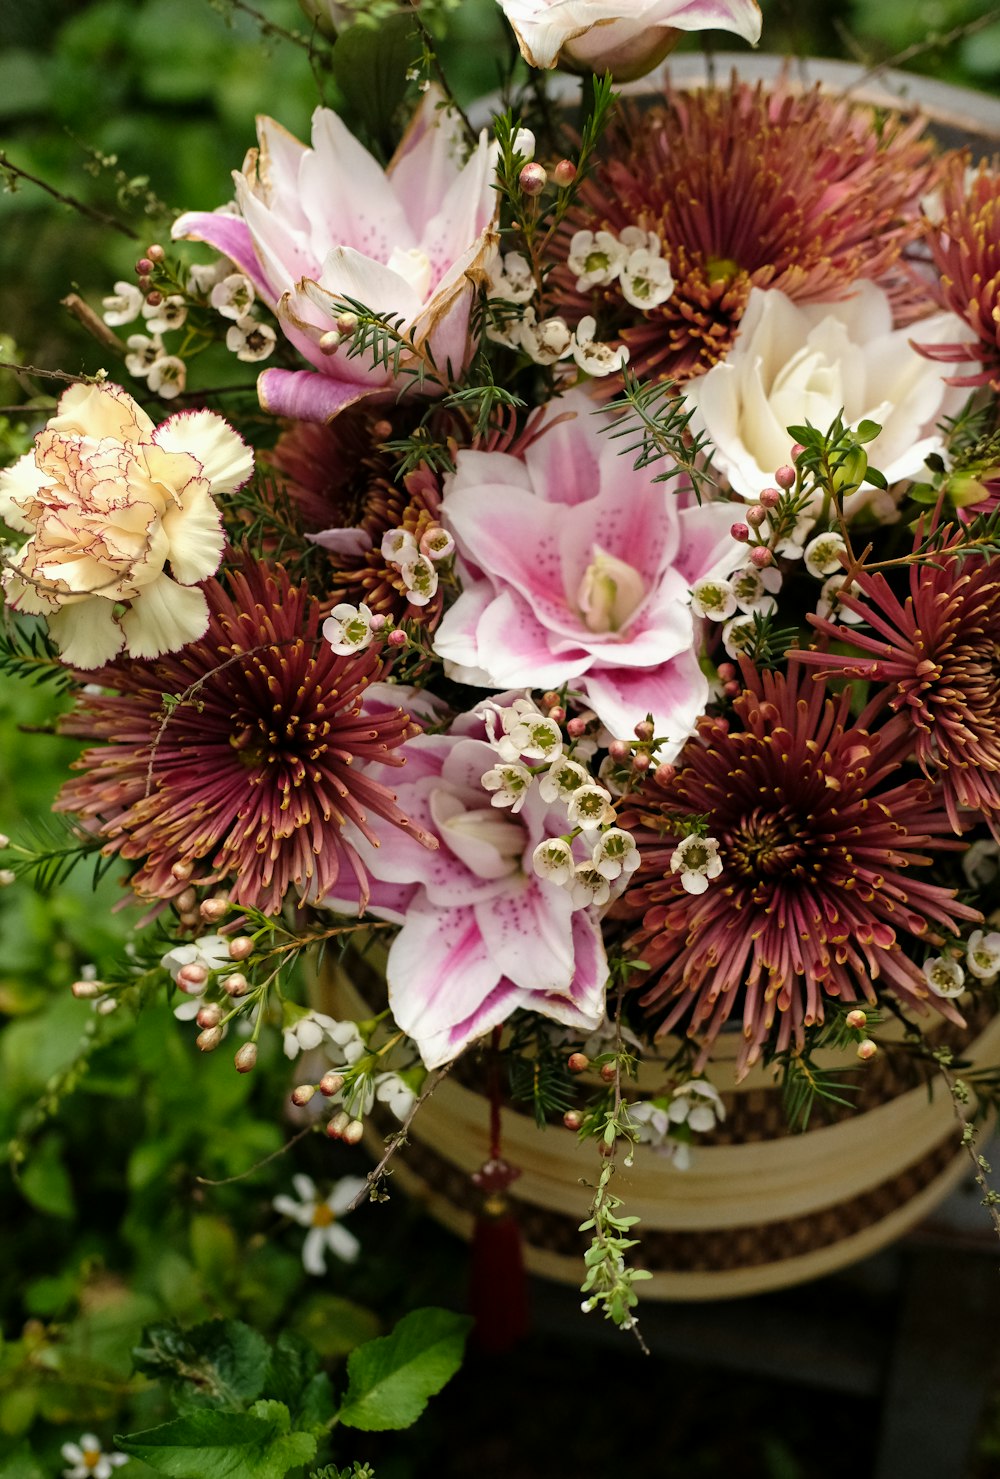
(22, 1464)
(221, 1364)
(390, 1379)
(224, 1445)
(44, 1180)
(336, 1326)
(369, 65)
(24, 85)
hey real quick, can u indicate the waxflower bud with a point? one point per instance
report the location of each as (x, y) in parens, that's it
(856, 1019)
(240, 947)
(756, 514)
(186, 901)
(145, 285)
(212, 910)
(192, 977)
(572, 1119)
(7, 877)
(209, 1040)
(576, 728)
(144, 267)
(577, 1062)
(182, 871)
(236, 984)
(398, 638)
(329, 342)
(727, 672)
(644, 730)
(86, 990)
(246, 1058)
(740, 532)
(797, 450)
(564, 173)
(336, 1127)
(302, 1093)
(867, 1049)
(769, 497)
(353, 1133)
(761, 556)
(532, 179)
(557, 713)
(619, 749)
(331, 1083)
(346, 324)
(608, 1072)
(641, 761)
(4, 840)
(190, 919)
(785, 477)
(664, 773)
(155, 253)
(210, 1015)
(154, 299)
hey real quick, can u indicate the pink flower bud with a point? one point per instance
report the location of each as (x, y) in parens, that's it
(377, 623)
(644, 730)
(155, 253)
(727, 671)
(236, 984)
(329, 342)
(186, 901)
(209, 1040)
(619, 750)
(245, 1059)
(664, 773)
(210, 1015)
(756, 515)
(145, 285)
(192, 977)
(154, 299)
(182, 871)
(212, 910)
(572, 1119)
(608, 1072)
(867, 1049)
(740, 533)
(331, 1083)
(576, 728)
(769, 497)
(335, 1129)
(731, 689)
(86, 990)
(381, 430)
(550, 698)
(785, 477)
(577, 1062)
(856, 1019)
(532, 179)
(398, 638)
(557, 714)
(355, 1130)
(241, 947)
(302, 1093)
(564, 173)
(797, 450)
(761, 556)
(144, 266)
(641, 761)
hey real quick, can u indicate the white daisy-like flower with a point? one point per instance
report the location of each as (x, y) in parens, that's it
(419, 576)
(88, 1460)
(546, 341)
(562, 778)
(738, 633)
(645, 278)
(202, 278)
(615, 853)
(162, 317)
(594, 358)
(945, 976)
(323, 1219)
(553, 860)
(755, 589)
(981, 864)
(348, 628)
(596, 257)
(512, 279)
(588, 887)
(250, 340)
(167, 376)
(210, 951)
(698, 1105)
(395, 1093)
(307, 1032)
(829, 603)
(697, 861)
(714, 599)
(509, 783)
(124, 306)
(822, 554)
(590, 809)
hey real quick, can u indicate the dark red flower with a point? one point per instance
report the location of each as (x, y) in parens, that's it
(966, 252)
(935, 658)
(819, 840)
(750, 188)
(242, 756)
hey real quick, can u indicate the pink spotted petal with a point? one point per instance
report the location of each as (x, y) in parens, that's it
(528, 935)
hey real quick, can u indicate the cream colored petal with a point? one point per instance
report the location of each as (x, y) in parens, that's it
(20, 484)
(195, 535)
(86, 633)
(101, 411)
(164, 618)
(226, 460)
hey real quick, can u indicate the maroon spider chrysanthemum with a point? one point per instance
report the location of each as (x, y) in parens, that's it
(241, 756)
(818, 838)
(342, 482)
(935, 658)
(749, 188)
(966, 252)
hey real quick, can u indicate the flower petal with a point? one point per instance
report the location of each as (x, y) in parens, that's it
(226, 460)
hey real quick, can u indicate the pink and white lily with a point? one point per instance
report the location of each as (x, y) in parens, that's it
(580, 570)
(482, 934)
(624, 37)
(317, 226)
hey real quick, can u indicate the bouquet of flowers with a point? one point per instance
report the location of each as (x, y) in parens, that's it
(593, 617)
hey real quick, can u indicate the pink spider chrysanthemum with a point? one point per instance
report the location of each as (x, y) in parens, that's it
(242, 756)
(932, 658)
(966, 253)
(819, 841)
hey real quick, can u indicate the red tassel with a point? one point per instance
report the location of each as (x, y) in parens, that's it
(498, 1293)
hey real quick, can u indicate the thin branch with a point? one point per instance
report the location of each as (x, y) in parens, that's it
(251, 1170)
(398, 1137)
(95, 326)
(93, 214)
(47, 374)
(934, 42)
(271, 28)
(430, 50)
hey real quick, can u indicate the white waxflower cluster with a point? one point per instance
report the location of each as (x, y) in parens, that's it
(667, 1122)
(548, 340)
(632, 259)
(697, 861)
(351, 628)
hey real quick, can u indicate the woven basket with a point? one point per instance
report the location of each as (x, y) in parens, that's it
(760, 1208)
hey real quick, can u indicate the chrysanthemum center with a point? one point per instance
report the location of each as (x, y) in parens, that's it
(764, 846)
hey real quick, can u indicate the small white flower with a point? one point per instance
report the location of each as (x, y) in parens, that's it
(714, 599)
(829, 604)
(512, 279)
(88, 1459)
(210, 951)
(791, 547)
(509, 783)
(161, 318)
(615, 853)
(547, 341)
(322, 1218)
(697, 1104)
(419, 576)
(596, 359)
(203, 277)
(523, 143)
(589, 887)
(646, 280)
(590, 809)
(124, 307)
(233, 297)
(651, 1121)
(561, 779)
(697, 860)
(167, 376)
(981, 864)
(395, 544)
(596, 258)
(738, 633)
(143, 355)
(534, 736)
(250, 340)
(394, 1092)
(983, 954)
(553, 860)
(307, 1032)
(437, 544)
(944, 976)
(755, 589)
(348, 628)
(822, 554)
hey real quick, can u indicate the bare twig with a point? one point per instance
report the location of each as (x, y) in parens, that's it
(46, 374)
(271, 28)
(95, 325)
(91, 212)
(398, 1138)
(252, 1170)
(934, 42)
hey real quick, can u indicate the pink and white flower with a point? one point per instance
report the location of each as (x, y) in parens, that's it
(627, 39)
(317, 226)
(482, 934)
(580, 570)
(109, 500)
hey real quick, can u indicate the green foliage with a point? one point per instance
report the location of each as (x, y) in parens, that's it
(371, 63)
(656, 425)
(390, 1379)
(257, 1444)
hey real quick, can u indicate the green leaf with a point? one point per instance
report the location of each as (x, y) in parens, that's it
(21, 1464)
(867, 431)
(390, 1379)
(370, 67)
(294, 1378)
(221, 1364)
(224, 1445)
(45, 1181)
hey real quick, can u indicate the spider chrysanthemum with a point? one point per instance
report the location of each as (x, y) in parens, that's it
(966, 252)
(749, 188)
(819, 895)
(242, 756)
(935, 658)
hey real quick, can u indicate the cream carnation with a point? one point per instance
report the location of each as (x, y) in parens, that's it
(109, 501)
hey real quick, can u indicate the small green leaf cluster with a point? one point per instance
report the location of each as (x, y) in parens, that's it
(656, 425)
(834, 463)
